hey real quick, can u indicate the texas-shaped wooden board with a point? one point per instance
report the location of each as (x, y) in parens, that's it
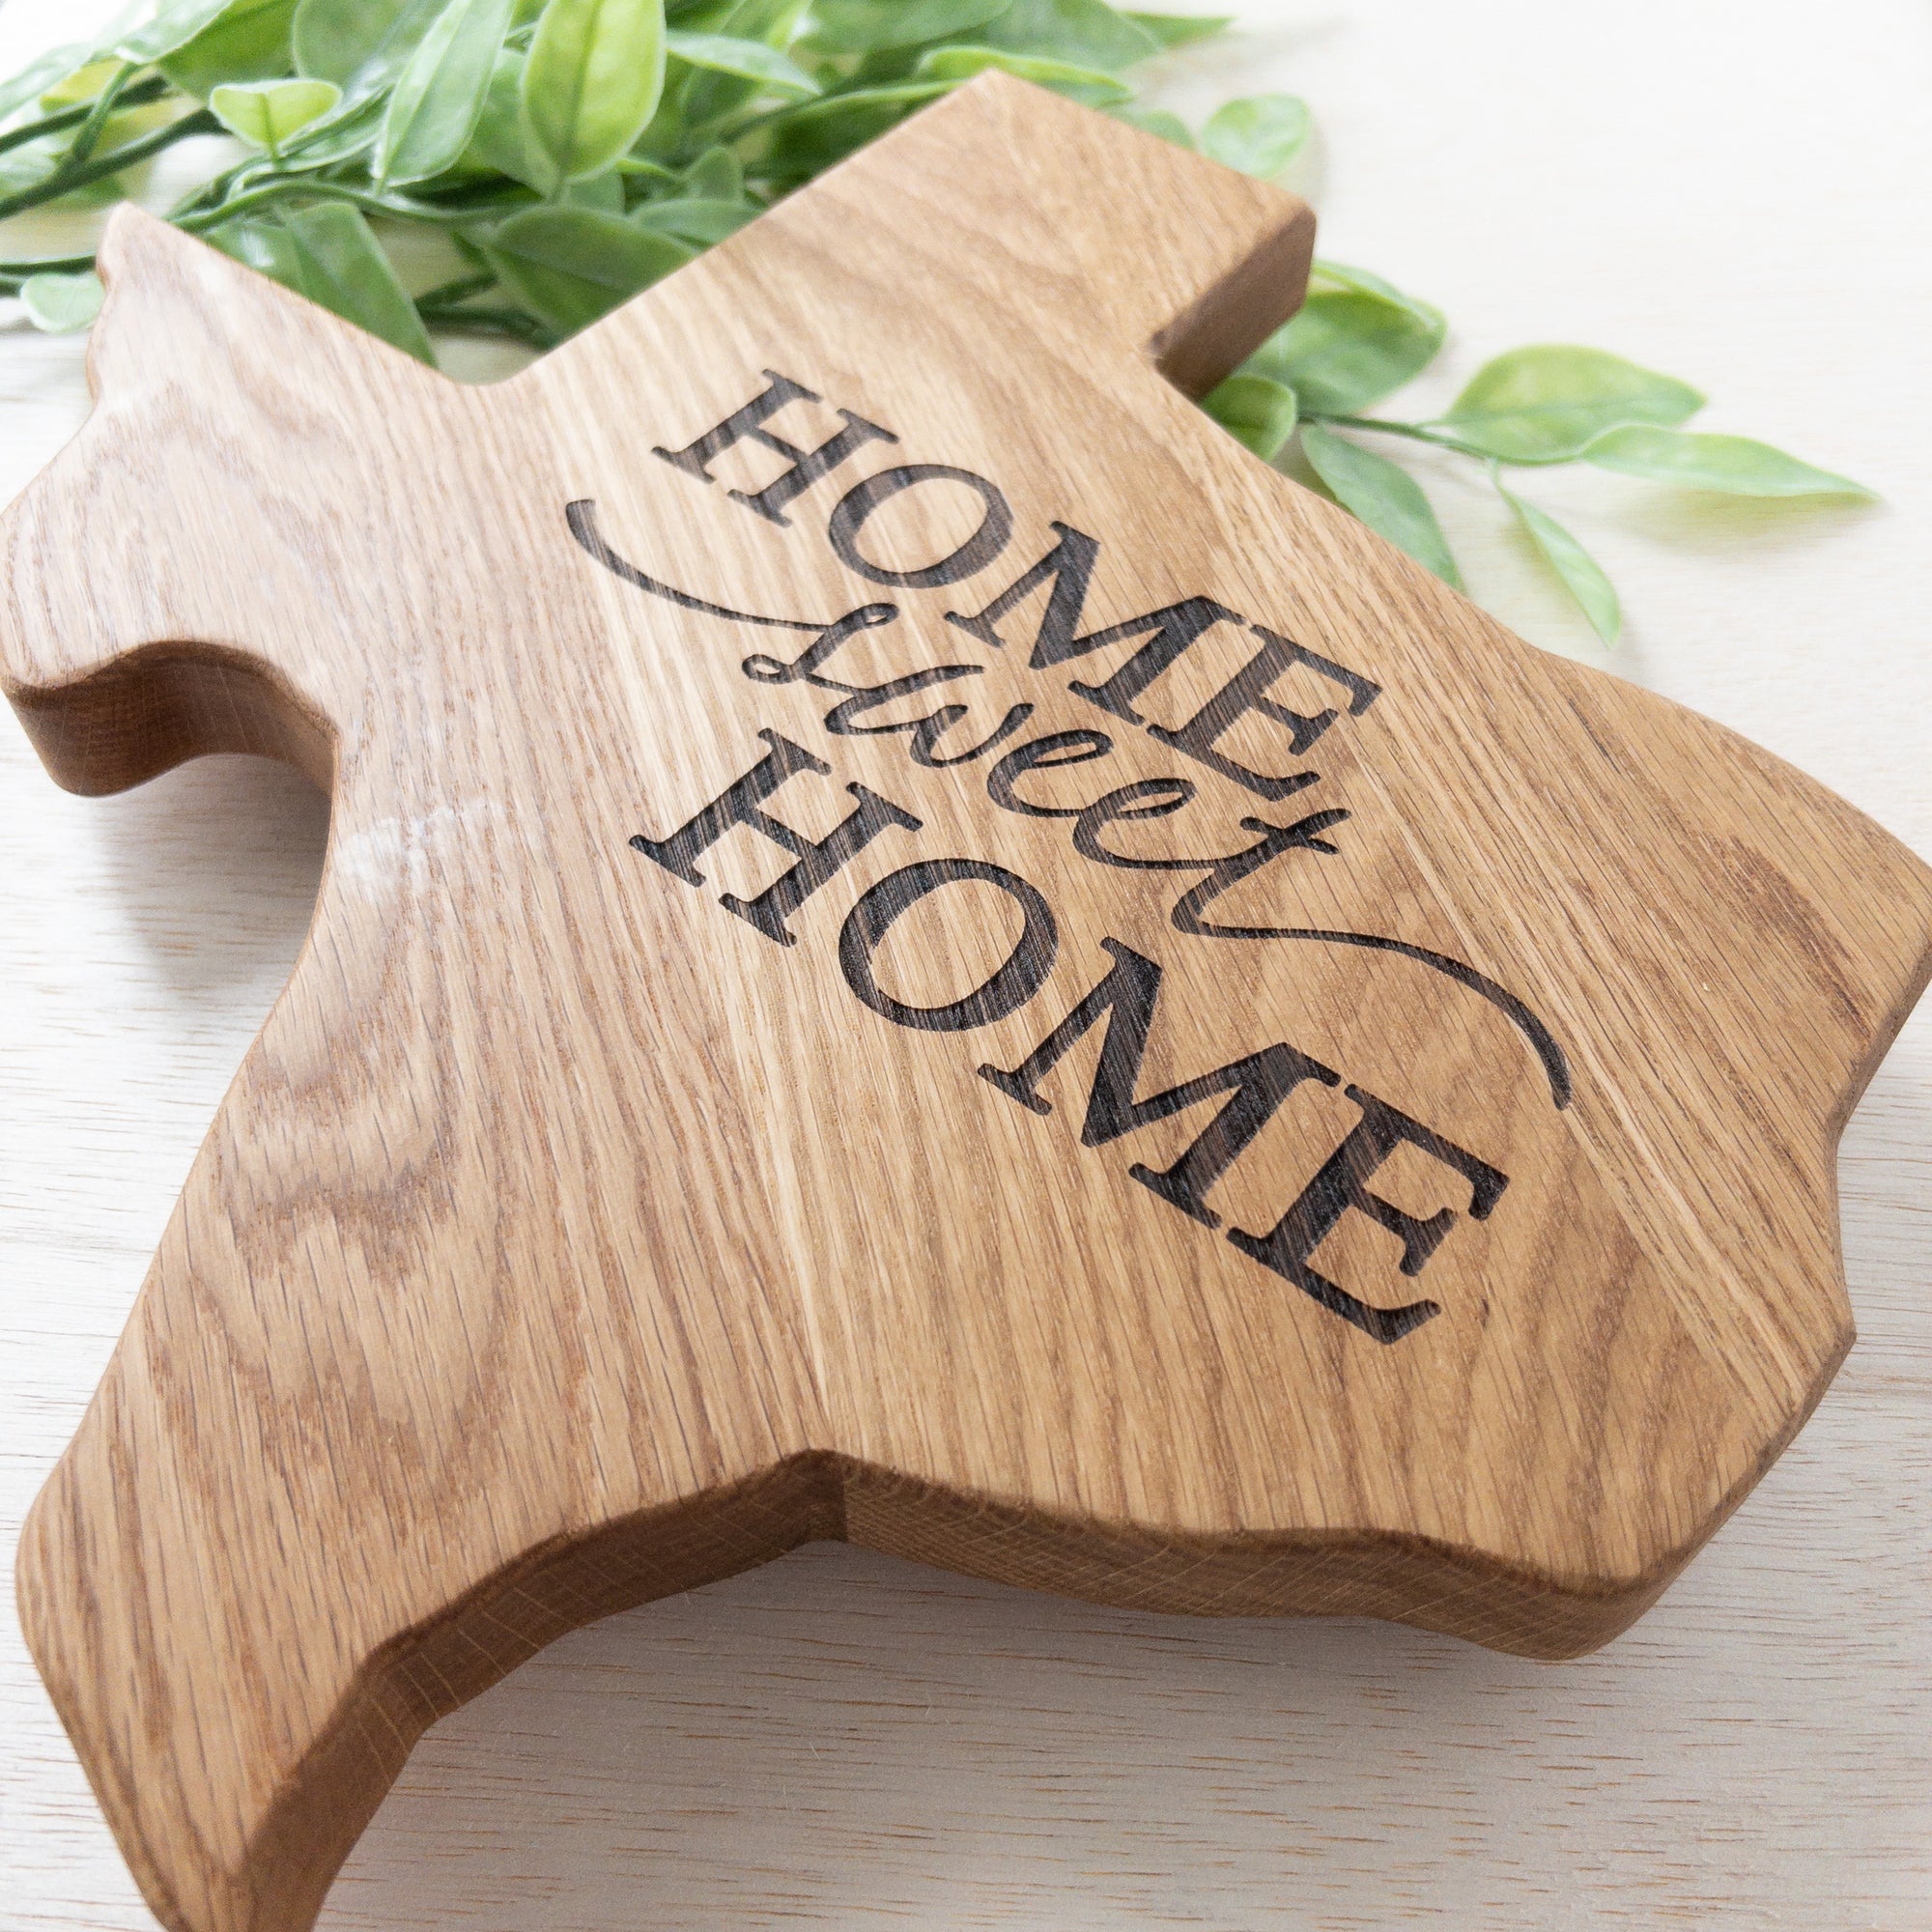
(915, 946)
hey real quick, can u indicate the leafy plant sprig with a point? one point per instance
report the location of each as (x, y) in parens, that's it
(1356, 340)
(571, 152)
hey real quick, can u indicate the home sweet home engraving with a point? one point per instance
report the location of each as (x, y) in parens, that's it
(1124, 996)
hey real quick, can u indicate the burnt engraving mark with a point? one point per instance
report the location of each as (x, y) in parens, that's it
(581, 517)
(817, 860)
(987, 541)
(1250, 1088)
(1265, 759)
(1007, 989)
(1168, 632)
(808, 466)
(1342, 1185)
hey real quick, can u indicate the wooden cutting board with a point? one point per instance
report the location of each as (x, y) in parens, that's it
(915, 946)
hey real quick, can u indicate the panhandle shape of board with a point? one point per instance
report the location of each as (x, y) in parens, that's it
(915, 946)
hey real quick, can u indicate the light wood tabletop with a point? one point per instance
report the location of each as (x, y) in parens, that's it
(845, 1738)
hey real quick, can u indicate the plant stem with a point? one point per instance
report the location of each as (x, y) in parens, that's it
(201, 122)
(283, 185)
(460, 290)
(217, 187)
(510, 321)
(89, 137)
(71, 170)
(1415, 432)
(137, 95)
(52, 264)
(477, 201)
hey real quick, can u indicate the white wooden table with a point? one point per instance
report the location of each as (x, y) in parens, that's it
(1737, 195)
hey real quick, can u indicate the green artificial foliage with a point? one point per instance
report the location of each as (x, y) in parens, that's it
(573, 152)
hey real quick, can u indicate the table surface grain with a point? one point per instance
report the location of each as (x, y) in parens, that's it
(1737, 195)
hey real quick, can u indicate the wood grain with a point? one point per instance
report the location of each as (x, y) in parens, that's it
(466, 1091)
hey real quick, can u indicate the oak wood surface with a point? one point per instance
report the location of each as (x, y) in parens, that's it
(903, 1533)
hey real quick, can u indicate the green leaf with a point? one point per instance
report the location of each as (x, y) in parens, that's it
(893, 94)
(569, 266)
(652, 177)
(1354, 341)
(265, 113)
(497, 141)
(264, 246)
(338, 263)
(1253, 411)
(360, 45)
(1329, 277)
(776, 22)
(437, 98)
(809, 137)
(604, 191)
(1734, 465)
(1179, 30)
(750, 60)
(591, 83)
(1581, 574)
(874, 26)
(1546, 404)
(1258, 135)
(1388, 499)
(33, 165)
(338, 137)
(35, 79)
(175, 25)
(1086, 31)
(29, 168)
(717, 175)
(1078, 83)
(247, 42)
(1156, 121)
(694, 219)
(83, 84)
(60, 305)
